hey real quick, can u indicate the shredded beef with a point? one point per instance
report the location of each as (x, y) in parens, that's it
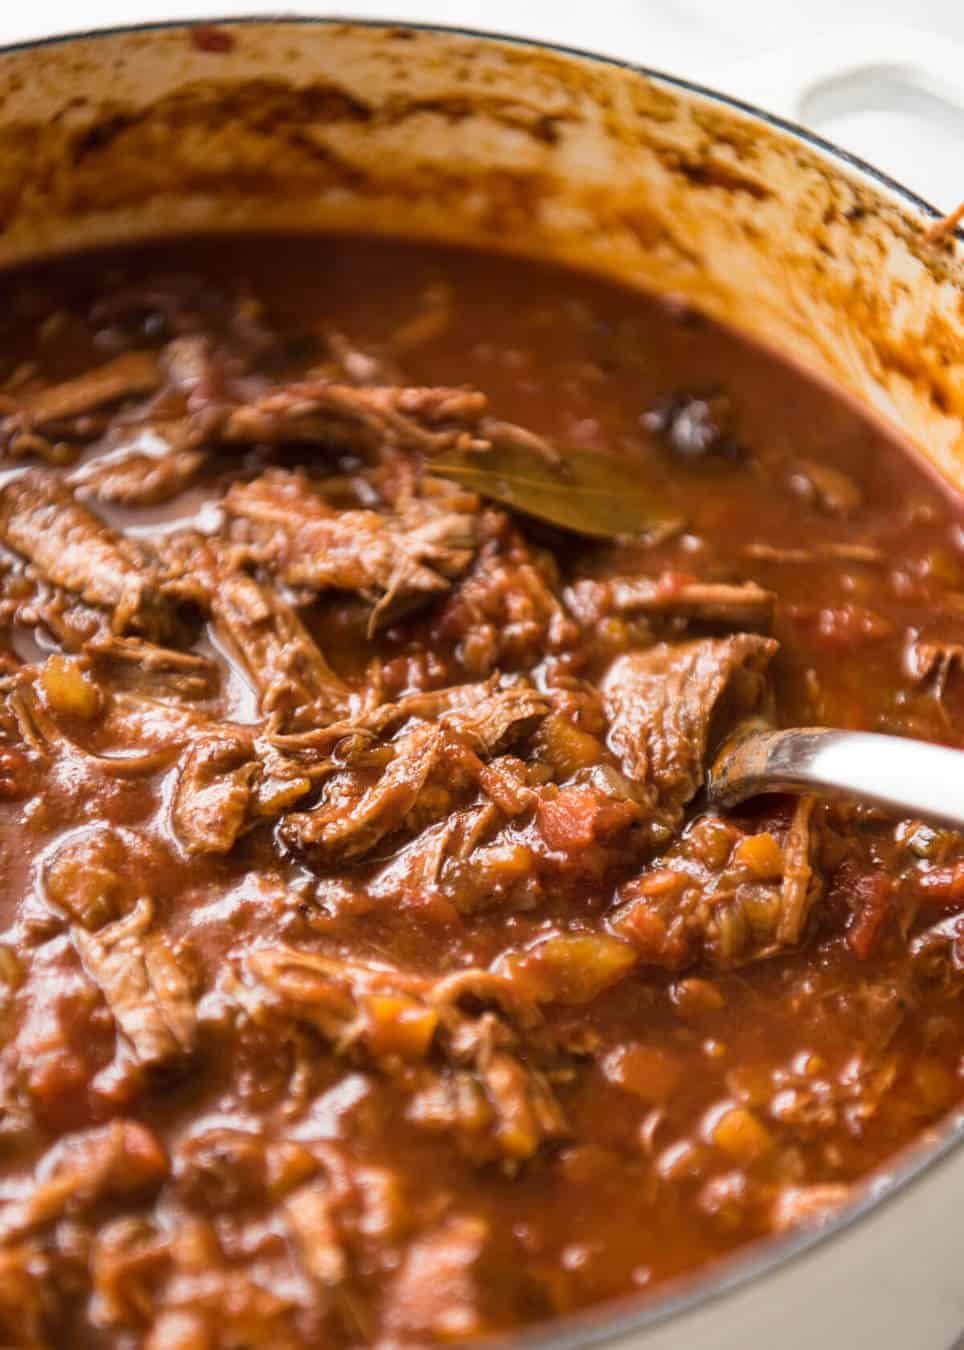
(147, 993)
(136, 664)
(507, 610)
(278, 655)
(498, 717)
(393, 559)
(428, 768)
(733, 606)
(70, 547)
(114, 1160)
(347, 417)
(134, 476)
(215, 786)
(227, 783)
(62, 411)
(664, 703)
(352, 817)
(495, 1105)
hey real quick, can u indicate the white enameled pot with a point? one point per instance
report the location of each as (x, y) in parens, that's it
(321, 124)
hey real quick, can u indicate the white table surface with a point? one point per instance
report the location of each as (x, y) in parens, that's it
(695, 35)
(723, 43)
(682, 35)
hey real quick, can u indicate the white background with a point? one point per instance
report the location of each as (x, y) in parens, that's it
(682, 35)
(728, 44)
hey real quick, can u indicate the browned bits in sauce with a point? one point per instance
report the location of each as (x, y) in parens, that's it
(370, 970)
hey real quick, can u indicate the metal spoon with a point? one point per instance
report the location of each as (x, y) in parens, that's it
(907, 777)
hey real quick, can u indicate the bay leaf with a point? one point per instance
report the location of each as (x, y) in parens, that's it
(587, 492)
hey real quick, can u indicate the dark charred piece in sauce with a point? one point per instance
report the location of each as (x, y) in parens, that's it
(694, 426)
(371, 971)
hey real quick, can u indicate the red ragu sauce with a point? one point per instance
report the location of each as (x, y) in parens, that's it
(373, 971)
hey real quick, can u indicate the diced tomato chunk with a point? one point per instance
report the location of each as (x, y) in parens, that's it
(579, 817)
(871, 897)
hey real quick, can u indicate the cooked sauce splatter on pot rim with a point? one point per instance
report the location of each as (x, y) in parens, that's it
(372, 972)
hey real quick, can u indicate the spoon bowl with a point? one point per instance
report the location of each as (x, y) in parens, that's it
(907, 777)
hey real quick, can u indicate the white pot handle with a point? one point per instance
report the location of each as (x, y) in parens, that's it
(786, 80)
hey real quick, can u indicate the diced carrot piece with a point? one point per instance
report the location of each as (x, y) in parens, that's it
(643, 1070)
(761, 855)
(568, 748)
(660, 884)
(399, 1026)
(571, 968)
(739, 1134)
(694, 996)
(69, 691)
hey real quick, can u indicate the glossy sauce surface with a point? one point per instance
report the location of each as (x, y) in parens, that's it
(245, 1099)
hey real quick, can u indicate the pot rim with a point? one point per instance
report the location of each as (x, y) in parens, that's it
(294, 19)
(599, 1325)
